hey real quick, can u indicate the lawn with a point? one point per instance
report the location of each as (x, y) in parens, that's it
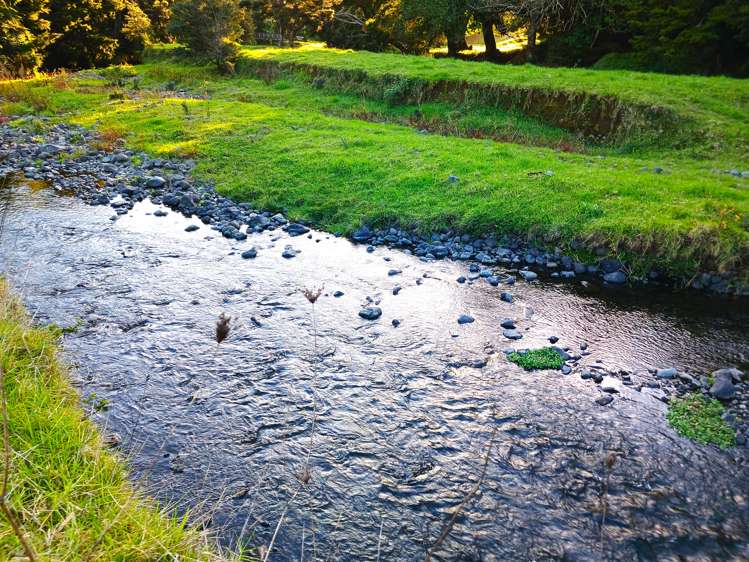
(340, 158)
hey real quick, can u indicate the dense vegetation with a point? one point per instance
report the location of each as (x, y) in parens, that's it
(683, 36)
(70, 495)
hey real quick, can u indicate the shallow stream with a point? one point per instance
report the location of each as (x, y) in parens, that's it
(401, 429)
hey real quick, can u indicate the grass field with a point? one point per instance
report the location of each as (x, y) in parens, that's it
(70, 495)
(338, 155)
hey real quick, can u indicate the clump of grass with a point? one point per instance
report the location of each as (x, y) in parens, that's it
(109, 138)
(70, 496)
(699, 419)
(543, 358)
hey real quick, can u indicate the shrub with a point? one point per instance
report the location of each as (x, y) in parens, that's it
(209, 28)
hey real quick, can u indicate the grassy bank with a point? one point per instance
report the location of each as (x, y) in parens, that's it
(340, 158)
(69, 493)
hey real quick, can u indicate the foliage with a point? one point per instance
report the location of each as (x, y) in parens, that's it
(159, 13)
(543, 358)
(710, 36)
(96, 33)
(699, 418)
(71, 494)
(209, 28)
(24, 36)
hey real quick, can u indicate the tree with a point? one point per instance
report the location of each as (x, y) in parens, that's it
(95, 33)
(449, 17)
(209, 28)
(159, 12)
(24, 35)
(707, 36)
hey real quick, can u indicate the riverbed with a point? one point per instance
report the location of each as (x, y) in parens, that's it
(396, 422)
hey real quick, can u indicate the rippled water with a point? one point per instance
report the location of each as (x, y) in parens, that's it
(401, 434)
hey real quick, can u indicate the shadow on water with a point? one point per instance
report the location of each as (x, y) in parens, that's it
(401, 434)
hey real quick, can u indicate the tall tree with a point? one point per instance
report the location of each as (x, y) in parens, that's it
(24, 34)
(449, 17)
(159, 13)
(95, 33)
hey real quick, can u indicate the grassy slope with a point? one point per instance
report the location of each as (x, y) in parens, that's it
(71, 495)
(718, 104)
(272, 144)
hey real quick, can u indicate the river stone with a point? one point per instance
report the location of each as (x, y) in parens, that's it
(735, 374)
(155, 182)
(394, 272)
(553, 339)
(723, 388)
(507, 297)
(250, 253)
(529, 275)
(508, 323)
(604, 400)
(338, 294)
(160, 213)
(461, 279)
(465, 319)
(192, 228)
(289, 252)
(668, 373)
(370, 312)
(362, 234)
(512, 334)
(566, 369)
(296, 229)
(617, 277)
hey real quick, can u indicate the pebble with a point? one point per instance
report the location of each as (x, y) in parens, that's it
(370, 312)
(461, 279)
(507, 297)
(604, 400)
(553, 339)
(465, 319)
(160, 213)
(394, 272)
(508, 323)
(250, 253)
(338, 294)
(192, 228)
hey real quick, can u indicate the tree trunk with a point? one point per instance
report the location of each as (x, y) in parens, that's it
(456, 44)
(487, 29)
(532, 32)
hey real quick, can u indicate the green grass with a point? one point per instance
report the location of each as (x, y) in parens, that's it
(699, 419)
(543, 358)
(717, 106)
(286, 145)
(71, 494)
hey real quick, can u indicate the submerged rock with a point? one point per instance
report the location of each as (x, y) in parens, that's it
(370, 312)
(250, 253)
(465, 319)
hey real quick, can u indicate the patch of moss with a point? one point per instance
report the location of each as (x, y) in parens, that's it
(543, 358)
(699, 419)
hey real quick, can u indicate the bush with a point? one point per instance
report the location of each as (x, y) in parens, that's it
(209, 28)
(699, 419)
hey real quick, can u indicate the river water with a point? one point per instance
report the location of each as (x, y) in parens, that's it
(396, 430)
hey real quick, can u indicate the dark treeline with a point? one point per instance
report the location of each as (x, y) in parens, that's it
(681, 36)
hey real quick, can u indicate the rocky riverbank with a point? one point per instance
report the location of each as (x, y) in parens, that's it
(63, 157)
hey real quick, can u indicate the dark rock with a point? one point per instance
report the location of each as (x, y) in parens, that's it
(616, 278)
(566, 369)
(553, 339)
(511, 334)
(296, 229)
(465, 319)
(394, 272)
(155, 182)
(397, 289)
(362, 234)
(250, 253)
(370, 312)
(461, 279)
(160, 213)
(289, 252)
(508, 323)
(338, 294)
(723, 387)
(528, 275)
(192, 228)
(507, 297)
(604, 400)
(396, 323)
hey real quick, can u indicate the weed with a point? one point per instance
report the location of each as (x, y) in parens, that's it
(699, 419)
(543, 358)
